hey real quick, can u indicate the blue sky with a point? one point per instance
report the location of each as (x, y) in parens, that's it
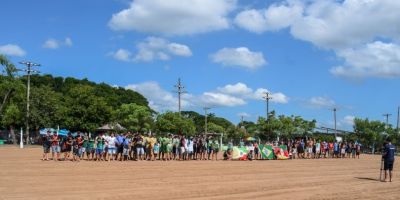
(312, 55)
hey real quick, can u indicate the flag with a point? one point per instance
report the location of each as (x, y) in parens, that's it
(281, 152)
(239, 153)
(267, 152)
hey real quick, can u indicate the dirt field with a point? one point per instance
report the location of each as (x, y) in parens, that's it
(24, 176)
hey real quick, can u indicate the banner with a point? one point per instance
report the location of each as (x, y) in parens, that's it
(281, 152)
(239, 153)
(267, 152)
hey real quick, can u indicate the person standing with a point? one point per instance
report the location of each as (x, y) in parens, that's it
(55, 146)
(90, 149)
(119, 140)
(111, 141)
(46, 142)
(139, 147)
(99, 142)
(388, 157)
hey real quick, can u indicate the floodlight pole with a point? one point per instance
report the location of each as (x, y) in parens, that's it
(29, 71)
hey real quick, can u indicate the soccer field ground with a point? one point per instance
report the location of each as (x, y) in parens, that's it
(24, 176)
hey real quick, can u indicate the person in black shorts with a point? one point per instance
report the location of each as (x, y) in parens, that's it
(46, 142)
(388, 157)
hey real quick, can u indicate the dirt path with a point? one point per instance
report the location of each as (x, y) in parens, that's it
(24, 176)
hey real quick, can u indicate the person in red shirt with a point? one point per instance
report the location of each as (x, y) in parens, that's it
(55, 146)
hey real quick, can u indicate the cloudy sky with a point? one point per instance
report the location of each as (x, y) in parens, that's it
(311, 55)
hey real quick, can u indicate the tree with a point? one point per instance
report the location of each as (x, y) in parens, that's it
(8, 82)
(12, 118)
(173, 122)
(370, 133)
(47, 108)
(84, 110)
(214, 128)
(134, 117)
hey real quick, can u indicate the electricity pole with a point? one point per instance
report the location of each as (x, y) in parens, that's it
(334, 118)
(387, 119)
(205, 119)
(29, 71)
(180, 91)
(398, 115)
(267, 97)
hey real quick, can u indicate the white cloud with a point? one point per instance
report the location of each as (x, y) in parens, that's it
(153, 48)
(55, 44)
(275, 17)
(220, 99)
(236, 89)
(159, 99)
(348, 120)
(375, 59)
(68, 42)
(243, 114)
(321, 102)
(240, 57)
(51, 44)
(277, 97)
(227, 96)
(12, 50)
(174, 17)
(353, 29)
(122, 55)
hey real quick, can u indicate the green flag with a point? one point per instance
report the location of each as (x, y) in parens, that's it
(267, 152)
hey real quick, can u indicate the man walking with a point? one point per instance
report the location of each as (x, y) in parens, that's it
(388, 157)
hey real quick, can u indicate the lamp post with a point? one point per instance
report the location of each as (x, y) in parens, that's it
(29, 71)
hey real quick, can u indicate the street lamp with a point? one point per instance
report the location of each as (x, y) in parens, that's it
(29, 71)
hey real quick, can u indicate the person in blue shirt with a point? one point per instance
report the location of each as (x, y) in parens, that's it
(336, 149)
(119, 145)
(388, 157)
(126, 144)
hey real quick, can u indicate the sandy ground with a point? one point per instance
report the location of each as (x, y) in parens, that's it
(24, 176)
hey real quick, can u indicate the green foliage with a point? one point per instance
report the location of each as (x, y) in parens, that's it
(46, 108)
(134, 117)
(85, 110)
(173, 122)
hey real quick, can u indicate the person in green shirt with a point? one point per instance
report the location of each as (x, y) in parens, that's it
(215, 149)
(209, 147)
(91, 148)
(99, 141)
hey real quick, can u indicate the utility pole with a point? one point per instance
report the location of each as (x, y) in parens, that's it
(267, 97)
(29, 71)
(180, 91)
(334, 118)
(387, 119)
(398, 115)
(205, 119)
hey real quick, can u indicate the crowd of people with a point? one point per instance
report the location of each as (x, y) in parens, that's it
(129, 146)
(312, 148)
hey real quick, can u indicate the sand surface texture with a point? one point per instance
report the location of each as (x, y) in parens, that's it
(24, 176)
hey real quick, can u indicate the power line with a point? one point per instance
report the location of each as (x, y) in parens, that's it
(29, 71)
